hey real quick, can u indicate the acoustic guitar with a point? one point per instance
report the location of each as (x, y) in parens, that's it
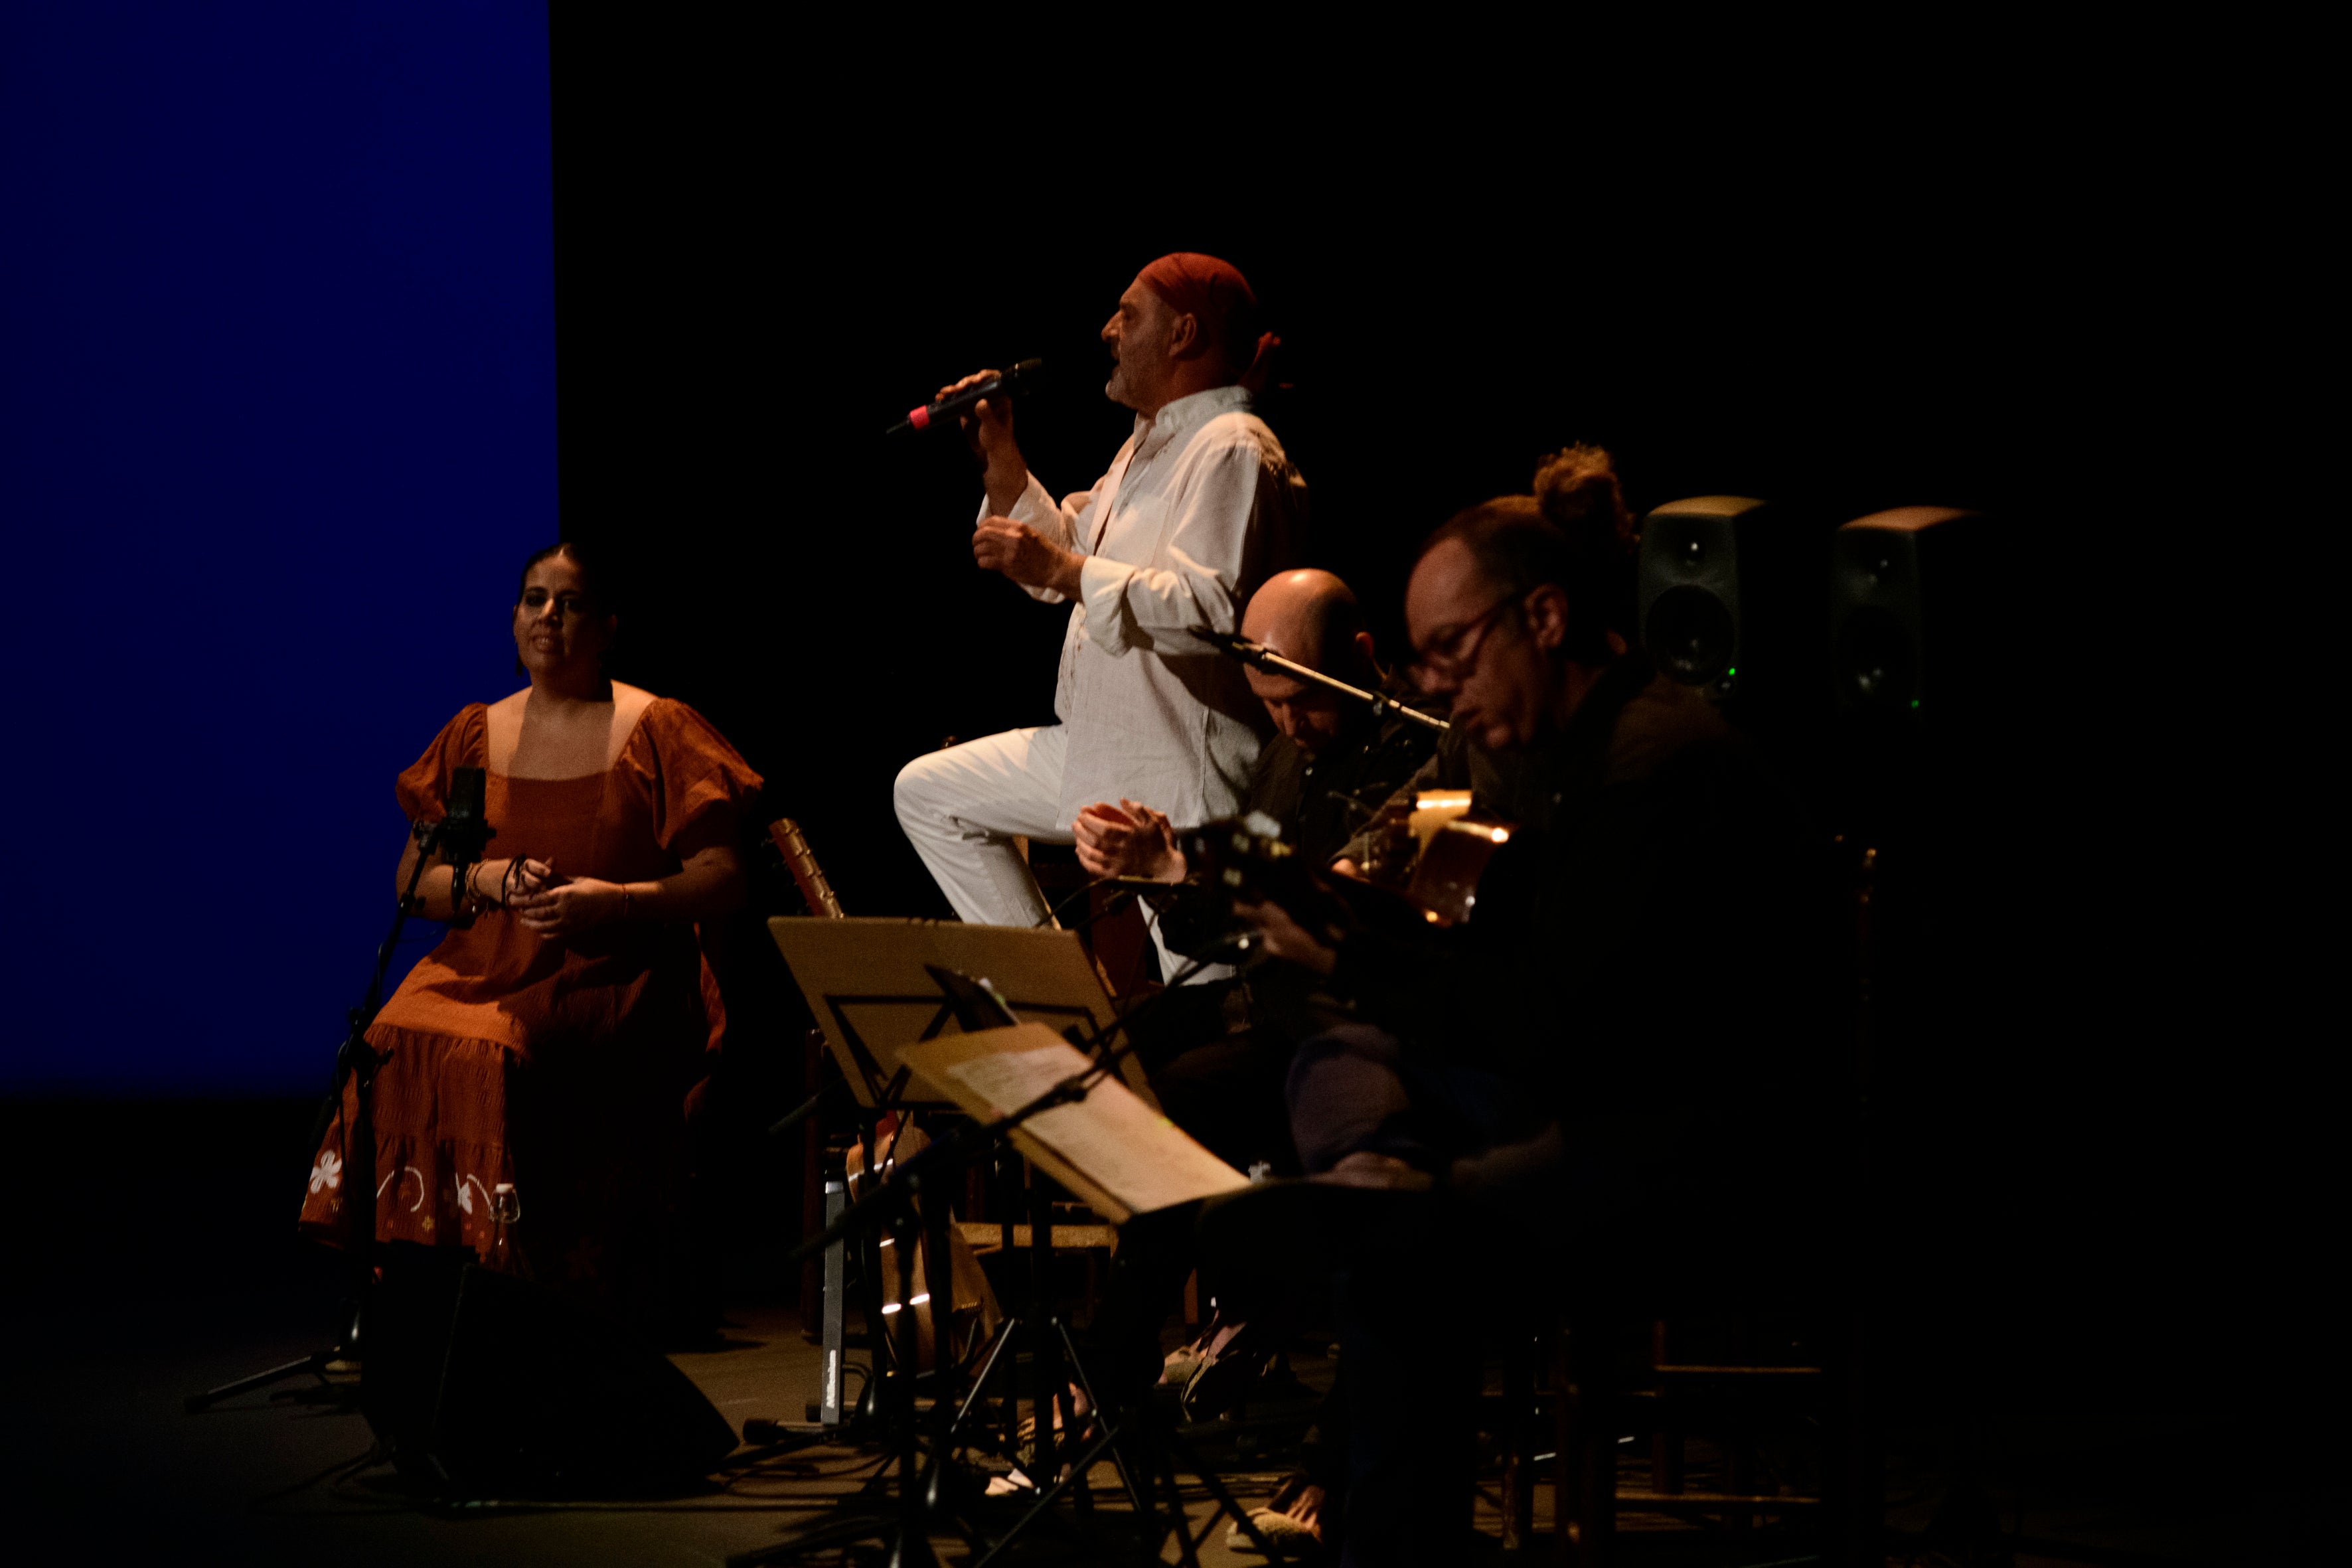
(1425, 869)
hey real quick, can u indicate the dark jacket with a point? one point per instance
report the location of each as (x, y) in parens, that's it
(1649, 957)
(1318, 802)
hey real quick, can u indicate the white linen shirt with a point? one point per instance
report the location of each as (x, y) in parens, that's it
(1199, 508)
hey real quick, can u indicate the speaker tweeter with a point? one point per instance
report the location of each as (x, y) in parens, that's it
(1896, 581)
(1731, 599)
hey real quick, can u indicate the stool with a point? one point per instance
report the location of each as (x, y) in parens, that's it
(1601, 1394)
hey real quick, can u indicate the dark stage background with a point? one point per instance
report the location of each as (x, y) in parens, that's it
(752, 286)
(304, 344)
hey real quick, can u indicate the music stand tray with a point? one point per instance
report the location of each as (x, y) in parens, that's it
(867, 987)
(1112, 1149)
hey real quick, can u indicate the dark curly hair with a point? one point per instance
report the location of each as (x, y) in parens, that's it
(1575, 533)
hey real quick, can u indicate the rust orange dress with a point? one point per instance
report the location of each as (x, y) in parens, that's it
(530, 1100)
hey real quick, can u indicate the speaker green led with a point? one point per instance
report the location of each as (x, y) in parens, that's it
(1730, 596)
(1901, 617)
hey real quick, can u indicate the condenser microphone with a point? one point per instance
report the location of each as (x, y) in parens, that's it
(1020, 378)
(465, 831)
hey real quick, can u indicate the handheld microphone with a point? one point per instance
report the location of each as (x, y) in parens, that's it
(1022, 377)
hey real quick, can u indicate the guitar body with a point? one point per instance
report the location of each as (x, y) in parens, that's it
(1426, 871)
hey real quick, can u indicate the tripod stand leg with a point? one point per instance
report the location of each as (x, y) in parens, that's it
(1048, 1390)
(1078, 1468)
(1118, 1457)
(1187, 1549)
(316, 1362)
(911, 1547)
(1182, 1451)
(1002, 1337)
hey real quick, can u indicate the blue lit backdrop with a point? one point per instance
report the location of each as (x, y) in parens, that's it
(276, 424)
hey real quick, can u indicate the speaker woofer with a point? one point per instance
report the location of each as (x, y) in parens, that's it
(1877, 664)
(1690, 634)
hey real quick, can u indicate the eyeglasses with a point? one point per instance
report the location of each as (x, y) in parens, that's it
(1456, 655)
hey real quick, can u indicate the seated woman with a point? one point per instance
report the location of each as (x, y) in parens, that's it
(530, 1103)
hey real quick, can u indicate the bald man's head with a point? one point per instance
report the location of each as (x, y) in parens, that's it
(1308, 617)
(1311, 618)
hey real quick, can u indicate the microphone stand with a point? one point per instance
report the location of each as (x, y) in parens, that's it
(1260, 657)
(355, 1063)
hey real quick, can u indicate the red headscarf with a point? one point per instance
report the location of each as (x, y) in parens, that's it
(1215, 294)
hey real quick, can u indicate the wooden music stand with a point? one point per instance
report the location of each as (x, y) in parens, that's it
(870, 993)
(1113, 1149)
(1124, 1158)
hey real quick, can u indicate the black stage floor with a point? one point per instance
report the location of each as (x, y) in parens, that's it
(154, 1257)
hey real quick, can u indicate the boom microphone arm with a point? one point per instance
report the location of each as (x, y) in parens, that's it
(1264, 658)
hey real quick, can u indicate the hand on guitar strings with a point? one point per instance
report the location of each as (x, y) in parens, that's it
(1129, 839)
(1280, 936)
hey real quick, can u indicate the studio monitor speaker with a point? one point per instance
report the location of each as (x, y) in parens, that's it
(484, 1383)
(1901, 616)
(1729, 594)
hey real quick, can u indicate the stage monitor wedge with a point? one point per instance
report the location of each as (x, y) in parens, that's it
(1898, 582)
(1729, 594)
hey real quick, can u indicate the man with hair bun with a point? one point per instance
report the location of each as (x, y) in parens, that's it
(1619, 1060)
(1197, 508)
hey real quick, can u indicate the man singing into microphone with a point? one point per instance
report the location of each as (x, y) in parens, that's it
(1198, 507)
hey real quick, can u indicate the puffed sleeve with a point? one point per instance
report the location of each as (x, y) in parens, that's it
(699, 787)
(424, 785)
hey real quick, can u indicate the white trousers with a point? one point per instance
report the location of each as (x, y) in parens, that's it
(961, 808)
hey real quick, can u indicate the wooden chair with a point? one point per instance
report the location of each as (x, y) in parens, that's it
(1739, 1404)
(1739, 1396)
(1741, 1401)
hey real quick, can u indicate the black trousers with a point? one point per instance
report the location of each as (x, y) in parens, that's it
(1228, 1095)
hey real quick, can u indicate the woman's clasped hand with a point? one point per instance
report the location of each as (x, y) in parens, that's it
(556, 906)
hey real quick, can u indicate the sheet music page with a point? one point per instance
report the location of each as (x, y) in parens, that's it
(1137, 1156)
(1011, 1081)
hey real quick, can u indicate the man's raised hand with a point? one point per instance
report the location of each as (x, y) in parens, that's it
(988, 431)
(1028, 557)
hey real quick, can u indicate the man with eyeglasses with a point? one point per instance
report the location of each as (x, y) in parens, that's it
(1622, 1036)
(1644, 823)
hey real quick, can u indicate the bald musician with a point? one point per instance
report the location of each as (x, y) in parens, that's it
(1331, 765)
(1197, 508)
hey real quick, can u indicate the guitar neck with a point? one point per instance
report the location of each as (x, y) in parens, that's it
(786, 835)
